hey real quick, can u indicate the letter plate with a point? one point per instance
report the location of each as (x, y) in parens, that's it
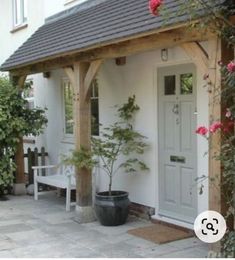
(178, 159)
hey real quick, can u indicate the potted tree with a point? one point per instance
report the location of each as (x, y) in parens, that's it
(118, 148)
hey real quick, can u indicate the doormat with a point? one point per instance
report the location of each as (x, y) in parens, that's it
(160, 234)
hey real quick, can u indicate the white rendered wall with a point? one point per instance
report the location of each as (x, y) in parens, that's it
(139, 77)
(52, 7)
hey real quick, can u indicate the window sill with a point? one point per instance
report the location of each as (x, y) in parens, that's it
(68, 140)
(29, 141)
(69, 2)
(19, 27)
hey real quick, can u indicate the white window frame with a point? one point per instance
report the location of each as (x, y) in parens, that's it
(30, 100)
(66, 136)
(20, 12)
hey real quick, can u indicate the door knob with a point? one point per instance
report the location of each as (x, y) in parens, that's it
(175, 109)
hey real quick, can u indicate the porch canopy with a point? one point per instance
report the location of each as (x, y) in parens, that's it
(81, 38)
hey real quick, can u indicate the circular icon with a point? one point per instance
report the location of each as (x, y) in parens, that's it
(210, 226)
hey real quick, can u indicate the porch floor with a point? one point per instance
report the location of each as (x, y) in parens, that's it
(42, 228)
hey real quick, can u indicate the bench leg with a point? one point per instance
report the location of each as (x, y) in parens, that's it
(68, 199)
(35, 189)
(58, 192)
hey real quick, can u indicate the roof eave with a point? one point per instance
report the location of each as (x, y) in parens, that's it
(95, 47)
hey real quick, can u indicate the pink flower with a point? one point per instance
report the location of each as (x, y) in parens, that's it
(215, 126)
(231, 66)
(154, 5)
(228, 113)
(202, 130)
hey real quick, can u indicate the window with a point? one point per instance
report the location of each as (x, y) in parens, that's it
(186, 84)
(94, 108)
(28, 94)
(170, 86)
(68, 108)
(19, 12)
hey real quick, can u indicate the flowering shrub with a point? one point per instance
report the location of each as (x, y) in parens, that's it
(227, 153)
(231, 66)
(154, 6)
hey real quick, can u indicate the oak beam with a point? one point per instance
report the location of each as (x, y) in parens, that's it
(166, 39)
(197, 54)
(90, 75)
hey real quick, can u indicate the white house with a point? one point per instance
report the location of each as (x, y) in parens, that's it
(155, 72)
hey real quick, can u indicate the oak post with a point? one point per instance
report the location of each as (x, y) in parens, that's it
(219, 52)
(82, 118)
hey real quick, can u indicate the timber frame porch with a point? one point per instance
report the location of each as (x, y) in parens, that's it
(82, 66)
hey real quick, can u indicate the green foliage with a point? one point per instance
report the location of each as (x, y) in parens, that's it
(210, 15)
(229, 244)
(127, 111)
(82, 158)
(120, 142)
(16, 120)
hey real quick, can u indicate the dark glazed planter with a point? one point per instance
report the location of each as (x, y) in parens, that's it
(112, 210)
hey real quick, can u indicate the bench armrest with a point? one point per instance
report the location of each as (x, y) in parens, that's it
(44, 167)
(37, 170)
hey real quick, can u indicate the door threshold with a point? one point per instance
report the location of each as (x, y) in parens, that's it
(172, 222)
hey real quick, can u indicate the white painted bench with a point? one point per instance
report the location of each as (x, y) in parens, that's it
(59, 176)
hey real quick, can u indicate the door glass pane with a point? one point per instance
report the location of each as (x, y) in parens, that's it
(170, 85)
(186, 84)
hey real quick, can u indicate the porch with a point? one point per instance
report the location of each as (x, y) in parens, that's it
(44, 229)
(84, 61)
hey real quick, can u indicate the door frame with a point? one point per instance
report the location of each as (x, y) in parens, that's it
(157, 94)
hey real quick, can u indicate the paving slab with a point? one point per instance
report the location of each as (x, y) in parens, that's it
(43, 228)
(7, 244)
(14, 228)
